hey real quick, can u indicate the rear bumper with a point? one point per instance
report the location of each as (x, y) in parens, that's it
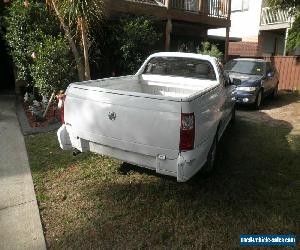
(64, 138)
(183, 166)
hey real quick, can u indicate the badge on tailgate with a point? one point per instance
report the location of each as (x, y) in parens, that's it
(112, 116)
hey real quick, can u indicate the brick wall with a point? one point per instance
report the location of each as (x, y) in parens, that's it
(244, 49)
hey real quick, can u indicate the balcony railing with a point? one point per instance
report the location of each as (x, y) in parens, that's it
(214, 8)
(274, 16)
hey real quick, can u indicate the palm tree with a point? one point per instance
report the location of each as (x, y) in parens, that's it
(77, 15)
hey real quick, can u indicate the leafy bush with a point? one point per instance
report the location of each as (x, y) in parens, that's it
(26, 27)
(293, 40)
(210, 49)
(186, 47)
(52, 69)
(134, 39)
(36, 29)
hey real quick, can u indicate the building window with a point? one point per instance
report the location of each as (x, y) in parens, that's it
(239, 5)
(245, 5)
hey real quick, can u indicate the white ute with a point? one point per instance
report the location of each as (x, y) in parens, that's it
(167, 117)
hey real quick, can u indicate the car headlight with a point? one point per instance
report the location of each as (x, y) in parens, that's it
(249, 89)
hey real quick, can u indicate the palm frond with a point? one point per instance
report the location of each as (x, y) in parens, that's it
(90, 10)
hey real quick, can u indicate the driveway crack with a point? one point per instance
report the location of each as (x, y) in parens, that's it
(19, 204)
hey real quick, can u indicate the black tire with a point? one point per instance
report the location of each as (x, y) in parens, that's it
(211, 158)
(258, 100)
(275, 91)
(232, 120)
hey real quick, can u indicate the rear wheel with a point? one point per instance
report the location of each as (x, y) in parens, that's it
(258, 99)
(211, 159)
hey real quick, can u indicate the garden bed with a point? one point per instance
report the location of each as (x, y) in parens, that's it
(51, 117)
(30, 125)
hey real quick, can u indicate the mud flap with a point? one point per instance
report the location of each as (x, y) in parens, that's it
(180, 173)
(158, 168)
(64, 138)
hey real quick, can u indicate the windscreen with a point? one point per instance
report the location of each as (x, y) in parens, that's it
(179, 66)
(246, 67)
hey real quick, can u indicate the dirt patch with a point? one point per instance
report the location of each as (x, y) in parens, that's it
(284, 108)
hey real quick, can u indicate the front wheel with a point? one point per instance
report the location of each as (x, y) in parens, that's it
(258, 99)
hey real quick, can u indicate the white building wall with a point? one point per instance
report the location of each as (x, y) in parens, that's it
(244, 24)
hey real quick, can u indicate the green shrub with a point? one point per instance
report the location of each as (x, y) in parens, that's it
(36, 29)
(52, 69)
(26, 27)
(293, 40)
(186, 47)
(134, 39)
(210, 49)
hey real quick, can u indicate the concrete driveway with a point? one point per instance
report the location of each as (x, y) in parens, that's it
(284, 108)
(20, 224)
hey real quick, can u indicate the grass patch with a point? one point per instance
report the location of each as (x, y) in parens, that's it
(93, 201)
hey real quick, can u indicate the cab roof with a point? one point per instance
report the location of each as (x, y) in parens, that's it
(182, 54)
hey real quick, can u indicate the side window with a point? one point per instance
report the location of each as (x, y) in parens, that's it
(220, 70)
(239, 5)
(224, 77)
(245, 5)
(236, 5)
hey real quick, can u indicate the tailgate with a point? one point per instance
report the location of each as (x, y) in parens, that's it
(130, 122)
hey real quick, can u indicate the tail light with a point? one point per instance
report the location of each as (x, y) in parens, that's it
(187, 132)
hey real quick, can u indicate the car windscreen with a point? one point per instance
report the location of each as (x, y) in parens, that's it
(180, 66)
(246, 67)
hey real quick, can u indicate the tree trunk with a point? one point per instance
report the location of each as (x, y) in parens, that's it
(85, 45)
(48, 105)
(72, 44)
